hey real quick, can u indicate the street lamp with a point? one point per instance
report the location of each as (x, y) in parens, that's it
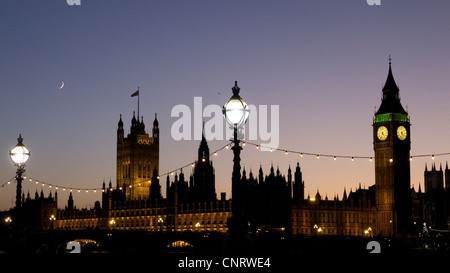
(52, 219)
(19, 155)
(160, 223)
(368, 232)
(236, 112)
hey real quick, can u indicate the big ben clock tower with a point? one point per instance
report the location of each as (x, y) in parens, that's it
(392, 144)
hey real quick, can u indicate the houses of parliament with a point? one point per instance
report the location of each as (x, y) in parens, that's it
(271, 200)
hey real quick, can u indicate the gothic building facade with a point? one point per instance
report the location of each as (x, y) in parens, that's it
(37, 213)
(201, 186)
(277, 202)
(273, 201)
(432, 206)
(137, 158)
(136, 202)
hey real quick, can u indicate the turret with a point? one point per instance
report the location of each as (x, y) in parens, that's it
(261, 175)
(137, 126)
(28, 197)
(181, 175)
(155, 130)
(134, 124)
(155, 187)
(142, 126)
(299, 187)
(167, 187)
(120, 132)
(203, 150)
(70, 202)
(290, 182)
(317, 197)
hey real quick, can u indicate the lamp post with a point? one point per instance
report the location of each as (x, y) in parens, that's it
(52, 219)
(236, 112)
(19, 155)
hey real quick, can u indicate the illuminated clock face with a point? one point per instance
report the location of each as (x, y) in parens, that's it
(382, 133)
(401, 133)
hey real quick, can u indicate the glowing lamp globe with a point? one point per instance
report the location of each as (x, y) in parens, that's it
(19, 154)
(236, 111)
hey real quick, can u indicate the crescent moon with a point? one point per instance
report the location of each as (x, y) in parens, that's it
(62, 85)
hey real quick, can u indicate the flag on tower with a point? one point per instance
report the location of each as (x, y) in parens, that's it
(135, 93)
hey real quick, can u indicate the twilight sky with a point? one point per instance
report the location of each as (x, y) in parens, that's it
(323, 63)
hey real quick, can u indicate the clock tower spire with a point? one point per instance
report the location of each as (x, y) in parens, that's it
(392, 144)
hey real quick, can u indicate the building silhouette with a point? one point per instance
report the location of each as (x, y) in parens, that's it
(137, 159)
(391, 142)
(137, 165)
(41, 211)
(136, 201)
(431, 207)
(271, 200)
(37, 213)
(201, 186)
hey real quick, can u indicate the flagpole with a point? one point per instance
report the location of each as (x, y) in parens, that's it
(138, 102)
(134, 95)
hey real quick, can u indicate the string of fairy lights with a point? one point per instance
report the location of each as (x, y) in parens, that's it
(335, 157)
(299, 154)
(56, 187)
